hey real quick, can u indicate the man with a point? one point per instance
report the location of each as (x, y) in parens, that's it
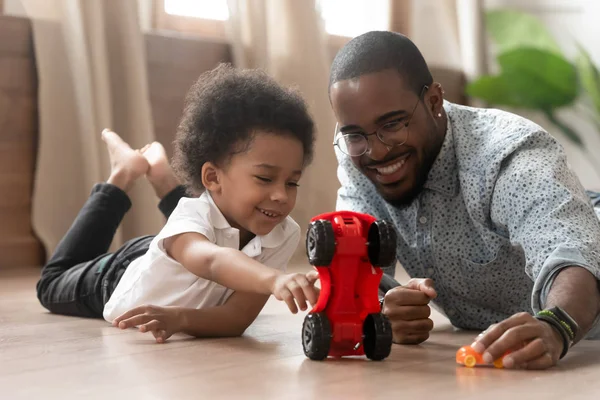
(485, 206)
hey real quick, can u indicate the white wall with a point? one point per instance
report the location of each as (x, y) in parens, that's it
(569, 21)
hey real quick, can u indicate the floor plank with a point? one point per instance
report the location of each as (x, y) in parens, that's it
(51, 356)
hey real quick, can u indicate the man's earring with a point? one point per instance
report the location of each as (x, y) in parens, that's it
(439, 115)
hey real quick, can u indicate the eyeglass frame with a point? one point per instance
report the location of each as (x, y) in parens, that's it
(376, 131)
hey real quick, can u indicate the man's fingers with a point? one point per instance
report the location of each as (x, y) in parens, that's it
(513, 339)
(406, 313)
(409, 327)
(403, 296)
(543, 362)
(423, 285)
(410, 338)
(495, 331)
(532, 351)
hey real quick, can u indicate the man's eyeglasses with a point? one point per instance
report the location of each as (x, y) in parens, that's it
(392, 133)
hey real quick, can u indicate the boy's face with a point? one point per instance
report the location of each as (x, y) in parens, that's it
(257, 187)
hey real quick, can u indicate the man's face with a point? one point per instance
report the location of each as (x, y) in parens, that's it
(371, 101)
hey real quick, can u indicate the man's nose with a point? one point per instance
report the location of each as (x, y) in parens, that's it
(377, 150)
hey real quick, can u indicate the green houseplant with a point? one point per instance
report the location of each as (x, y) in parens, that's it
(535, 75)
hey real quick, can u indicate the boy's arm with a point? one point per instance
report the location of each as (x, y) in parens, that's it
(228, 267)
(230, 319)
(227, 320)
(235, 270)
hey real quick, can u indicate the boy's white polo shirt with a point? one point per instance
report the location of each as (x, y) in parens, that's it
(158, 279)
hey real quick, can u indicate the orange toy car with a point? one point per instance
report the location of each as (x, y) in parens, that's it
(470, 358)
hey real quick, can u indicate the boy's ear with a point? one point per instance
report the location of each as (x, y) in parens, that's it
(210, 177)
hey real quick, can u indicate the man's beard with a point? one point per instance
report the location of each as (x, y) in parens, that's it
(411, 195)
(430, 155)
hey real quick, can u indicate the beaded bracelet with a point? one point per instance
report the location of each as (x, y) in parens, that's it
(555, 323)
(560, 321)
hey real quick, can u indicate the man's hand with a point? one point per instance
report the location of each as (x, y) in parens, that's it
(295, 288)
(533, 344)
(408, 310)
(161, 321)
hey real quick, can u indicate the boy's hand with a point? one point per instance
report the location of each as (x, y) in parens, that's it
(313, 276)
(295, 288)
(161, 321)
(408, 310)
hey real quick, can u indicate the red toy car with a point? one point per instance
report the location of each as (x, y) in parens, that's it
(348, 249)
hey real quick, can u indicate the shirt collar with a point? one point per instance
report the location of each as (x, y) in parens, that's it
(443, 176)
(273, 239)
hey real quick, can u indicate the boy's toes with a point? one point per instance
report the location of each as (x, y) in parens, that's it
(112, 139)
(146, 147)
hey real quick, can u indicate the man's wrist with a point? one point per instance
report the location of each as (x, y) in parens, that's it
(556, 325)
(575, 290)
(564, 319)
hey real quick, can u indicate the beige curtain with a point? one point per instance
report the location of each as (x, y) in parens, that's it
(451, 36)
(286, 38)
(449, 32)
(92, 75)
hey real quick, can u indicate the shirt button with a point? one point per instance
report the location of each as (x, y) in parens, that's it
(423, 220)
(430, 271)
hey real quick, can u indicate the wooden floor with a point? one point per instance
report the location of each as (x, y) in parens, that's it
(45, 356)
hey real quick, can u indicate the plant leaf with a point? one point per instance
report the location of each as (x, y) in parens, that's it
(589, 77)
(514, 29)
(539, 79)
(493, 90)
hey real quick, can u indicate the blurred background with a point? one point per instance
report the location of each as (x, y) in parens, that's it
(69, 68)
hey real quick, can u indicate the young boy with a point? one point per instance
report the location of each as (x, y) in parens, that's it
(241, 147)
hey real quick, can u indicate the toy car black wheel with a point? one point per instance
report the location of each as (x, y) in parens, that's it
(377, 341)
(316, 336)
(382, 244)
(320, 243)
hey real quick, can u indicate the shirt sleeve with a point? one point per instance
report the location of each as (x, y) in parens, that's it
(540, 202)
(190, 215)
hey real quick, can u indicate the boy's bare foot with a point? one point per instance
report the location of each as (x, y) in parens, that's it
(126, 164)
(160, 174)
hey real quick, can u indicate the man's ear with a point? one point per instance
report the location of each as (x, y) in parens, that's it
(211, 177)
(435, 97)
